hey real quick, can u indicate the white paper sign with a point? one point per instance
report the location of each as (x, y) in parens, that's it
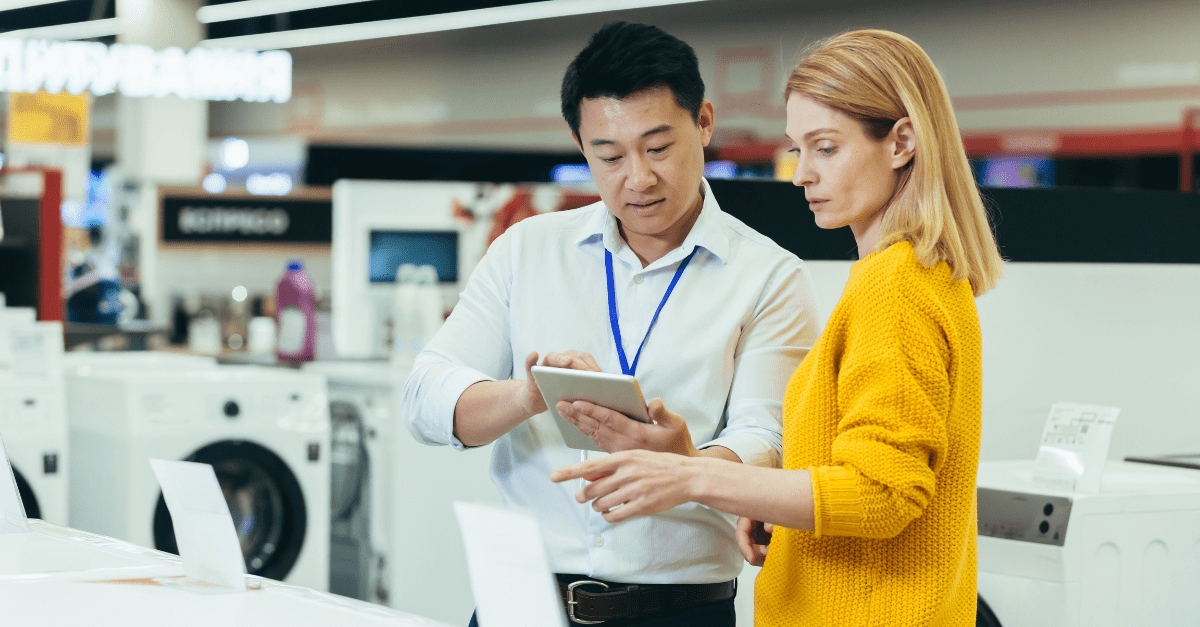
(510, 575)
(12, 512)
(204, 530)
(1074, 446)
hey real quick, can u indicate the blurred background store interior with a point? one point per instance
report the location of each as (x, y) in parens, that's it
(165, 223)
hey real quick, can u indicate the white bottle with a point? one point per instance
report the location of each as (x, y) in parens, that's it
(403, 299)
(428, 306)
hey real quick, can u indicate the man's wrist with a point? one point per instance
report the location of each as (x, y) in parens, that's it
(522, 401)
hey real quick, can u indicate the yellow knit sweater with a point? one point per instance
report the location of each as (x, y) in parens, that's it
(885, 413)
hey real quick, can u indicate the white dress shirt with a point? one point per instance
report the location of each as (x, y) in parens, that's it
(738, 323)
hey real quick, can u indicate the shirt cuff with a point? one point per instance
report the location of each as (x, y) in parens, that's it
(837, 506)
(752, 450)
(453, 387)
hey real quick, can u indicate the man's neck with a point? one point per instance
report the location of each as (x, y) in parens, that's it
(651, 248)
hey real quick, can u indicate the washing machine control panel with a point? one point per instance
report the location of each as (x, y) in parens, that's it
(1024, 517)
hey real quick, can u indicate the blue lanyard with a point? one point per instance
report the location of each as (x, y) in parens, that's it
(612, 310)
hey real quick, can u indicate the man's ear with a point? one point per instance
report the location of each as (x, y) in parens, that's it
(903, 140)
(706, 119)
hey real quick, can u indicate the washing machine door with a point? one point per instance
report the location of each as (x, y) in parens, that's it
(28, 498)
(348, 455)
(984, 616)
(265, 500)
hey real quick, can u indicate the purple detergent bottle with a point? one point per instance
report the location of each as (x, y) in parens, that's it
(295, 315)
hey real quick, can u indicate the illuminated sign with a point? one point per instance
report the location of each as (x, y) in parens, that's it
(225, 221)
(217, 219)
(141, 71)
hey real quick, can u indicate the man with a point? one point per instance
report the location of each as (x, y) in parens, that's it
(712, 319)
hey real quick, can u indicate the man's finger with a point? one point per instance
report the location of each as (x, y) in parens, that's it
(661, 415)
(603, 415)
(591, 361)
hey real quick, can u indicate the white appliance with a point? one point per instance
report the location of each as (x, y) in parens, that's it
(33, 423)
(379, 225)
(265, 432)
(400, 543)
(1129, 555)
(428, 567)
(362, 420)
(86, 362)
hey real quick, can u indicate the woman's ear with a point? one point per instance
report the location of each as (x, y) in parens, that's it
(904, 143)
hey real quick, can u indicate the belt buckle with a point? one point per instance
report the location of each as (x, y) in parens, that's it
(571, 603)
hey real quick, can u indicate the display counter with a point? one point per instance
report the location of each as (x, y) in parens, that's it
(54, 575)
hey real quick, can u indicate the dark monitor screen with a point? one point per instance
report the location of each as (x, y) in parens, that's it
(391, 249)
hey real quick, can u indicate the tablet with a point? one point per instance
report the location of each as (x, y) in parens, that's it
(619, 392)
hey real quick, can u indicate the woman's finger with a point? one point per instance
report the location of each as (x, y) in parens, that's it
(743, 539)
(616, 493)
(599, 486)
(583, 470)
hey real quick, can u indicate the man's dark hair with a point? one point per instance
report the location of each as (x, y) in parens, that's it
(623, 59)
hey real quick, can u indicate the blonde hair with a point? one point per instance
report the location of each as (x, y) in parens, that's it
(878, 77)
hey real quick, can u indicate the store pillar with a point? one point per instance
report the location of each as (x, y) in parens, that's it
(160, 141)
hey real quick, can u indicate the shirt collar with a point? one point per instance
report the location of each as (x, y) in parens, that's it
(706, 232)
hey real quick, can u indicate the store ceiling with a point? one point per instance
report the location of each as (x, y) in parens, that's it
(294, 24)
(352, 13)
(266, 16)
(22, 15)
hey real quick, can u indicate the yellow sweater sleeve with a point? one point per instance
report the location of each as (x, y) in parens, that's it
(893, 397)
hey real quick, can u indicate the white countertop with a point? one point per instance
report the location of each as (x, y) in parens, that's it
(59, 576)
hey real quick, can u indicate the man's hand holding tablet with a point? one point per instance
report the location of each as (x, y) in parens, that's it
(606, 412)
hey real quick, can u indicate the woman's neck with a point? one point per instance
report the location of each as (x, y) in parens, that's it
(866, 233)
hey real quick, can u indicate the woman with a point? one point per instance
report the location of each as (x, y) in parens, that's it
(874, 509)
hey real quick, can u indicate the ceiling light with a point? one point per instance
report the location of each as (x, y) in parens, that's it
(432, 23)
(69, 32)
(258, 8)
(8, 5)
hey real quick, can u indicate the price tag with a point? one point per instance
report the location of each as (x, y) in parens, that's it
(12, 512)
(204, 531)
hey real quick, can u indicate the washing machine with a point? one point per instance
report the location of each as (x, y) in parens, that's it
(395, 538)
(361, 396)
(1128, 555)
(265, 431)
(428, 568)
(33, 423)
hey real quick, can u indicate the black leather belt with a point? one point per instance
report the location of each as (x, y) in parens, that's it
(591, 601)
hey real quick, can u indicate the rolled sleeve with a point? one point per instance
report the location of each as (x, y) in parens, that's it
(755, 450)
(435, 387)
(780, 334)
(472, 346)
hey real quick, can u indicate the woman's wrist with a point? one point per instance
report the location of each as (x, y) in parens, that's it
(701, 471)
